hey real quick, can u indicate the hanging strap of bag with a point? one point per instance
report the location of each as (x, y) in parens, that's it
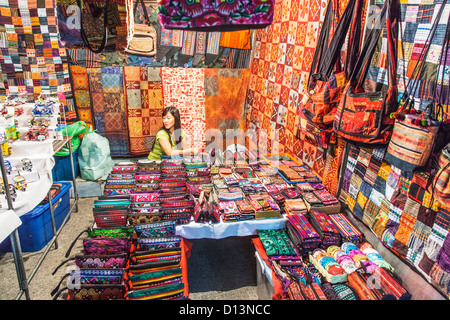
(328, 53)
(147, 18)
(419, 67)
(105, 29)
(362, 64)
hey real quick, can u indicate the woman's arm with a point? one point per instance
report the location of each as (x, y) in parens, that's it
(167, 148)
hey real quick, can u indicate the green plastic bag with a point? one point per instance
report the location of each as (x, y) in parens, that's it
(72, 130)
(94, 156)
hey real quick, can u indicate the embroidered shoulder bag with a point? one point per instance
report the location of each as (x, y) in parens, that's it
(363, 117)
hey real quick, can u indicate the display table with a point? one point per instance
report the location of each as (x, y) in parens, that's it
(39, 179)
(9, 221)
(222, 229)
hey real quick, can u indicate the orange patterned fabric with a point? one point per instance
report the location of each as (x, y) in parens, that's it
(144, 107)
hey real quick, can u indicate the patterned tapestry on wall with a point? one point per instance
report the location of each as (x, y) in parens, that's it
(184, 89)
(144, 107)
(224, 102)
(80, 84)
(280, 65)
(33, 60)
(108, 103)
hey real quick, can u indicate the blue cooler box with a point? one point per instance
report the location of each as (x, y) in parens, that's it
(36, 229)
(62, 171)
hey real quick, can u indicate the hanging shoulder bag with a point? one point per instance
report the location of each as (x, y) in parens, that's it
(414, 133)
(325, 86)
(363, 117)
(143, 37)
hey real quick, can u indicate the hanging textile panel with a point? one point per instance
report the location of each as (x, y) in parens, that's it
(108, 103)
(414, 27)
(282, 56)
(184, 89)
(80, 81)
(224, 99)
(32, 59)
(144, 107)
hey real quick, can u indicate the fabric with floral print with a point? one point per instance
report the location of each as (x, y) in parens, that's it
(221, 15)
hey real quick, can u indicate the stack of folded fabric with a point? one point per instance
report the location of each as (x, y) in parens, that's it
(306, 174)
(111, 211)
(173, 175)
(155, 270)
(311, 199)
(328, 232)
(266, 171)
(274, 191)
(229, 210)
(176, 202)
(305, 187)
(264, 205)
(145, 208)
(198, 173)
(300, 280)
(290, 174)
(295, 206)
(244, 172)
(147, 176)
(231, 180)
(291, 193)
(230, 194)
(302, 233)
(121, 179)
(248, 188)
(178, 206)
(348, 231)
(258, 185)
(247, 212)
(277, 243)
(326, 197)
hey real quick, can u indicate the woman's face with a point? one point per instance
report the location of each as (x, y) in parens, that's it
(168, 121)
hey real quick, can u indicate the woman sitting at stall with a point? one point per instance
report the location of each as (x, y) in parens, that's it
(170, 137)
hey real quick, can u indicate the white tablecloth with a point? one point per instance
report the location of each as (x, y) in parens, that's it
(9, 221)
(40, 179)
(222, 230)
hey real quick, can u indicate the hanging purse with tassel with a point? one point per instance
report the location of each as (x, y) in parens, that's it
(414, 133)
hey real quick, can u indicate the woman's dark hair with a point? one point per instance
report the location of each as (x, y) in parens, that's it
(177, 125)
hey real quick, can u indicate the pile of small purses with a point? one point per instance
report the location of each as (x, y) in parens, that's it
(155, 270)
(302, 233)
(100, 267)
(206, 210)
(326, 229)
(198, 175)
(177, 203)
(111, 211)
(121, 179)
(147, 176)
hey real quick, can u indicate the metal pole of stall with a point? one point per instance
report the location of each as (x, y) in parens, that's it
(14, 237)
(52, 215)
(73, 174)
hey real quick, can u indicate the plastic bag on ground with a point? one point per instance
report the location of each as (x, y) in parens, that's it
(94, 156)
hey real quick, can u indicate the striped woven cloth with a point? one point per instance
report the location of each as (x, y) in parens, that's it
(346, 228)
